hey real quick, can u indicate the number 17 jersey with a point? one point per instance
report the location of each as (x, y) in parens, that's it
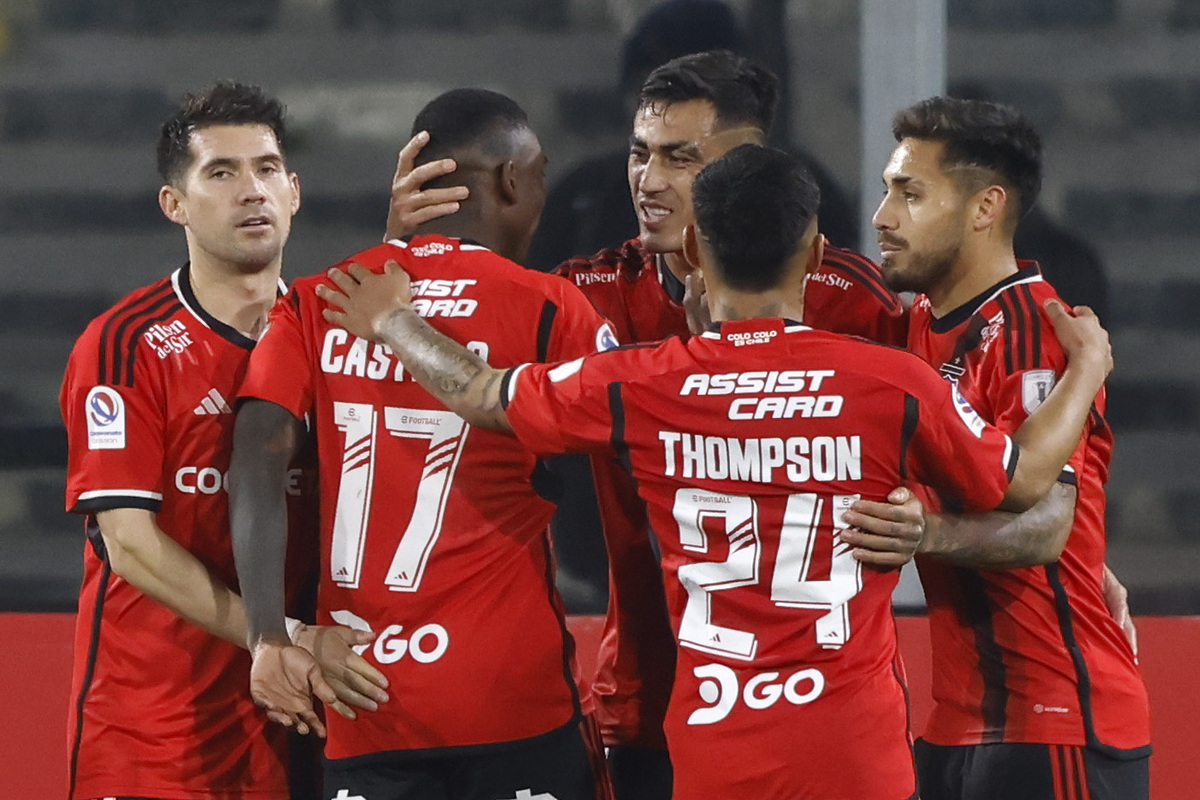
(433, 533)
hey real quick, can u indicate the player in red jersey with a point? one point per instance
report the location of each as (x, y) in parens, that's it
(433, 532)
(1037, 693)
(747, 445)
(161, 707)
(691, 111)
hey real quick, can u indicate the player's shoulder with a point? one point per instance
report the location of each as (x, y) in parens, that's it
(122, 323)
(607, 265)
(845, 269)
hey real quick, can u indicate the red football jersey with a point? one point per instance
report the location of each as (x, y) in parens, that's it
(433, 534)
(160, 708)
(635, 663)
(746, 446)
(845, 295)
(1026, 655)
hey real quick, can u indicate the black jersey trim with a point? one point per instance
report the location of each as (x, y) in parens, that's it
(92, 529)
(118, 346)
(977, 608)
(960, 315)
(1011, 467)
(568, 641)
(1083, 681)
(504, 383)
(1010, 331)
(1035, 325)
(866, 275)
(184, 286)
(545, 329)
(96, 504)
(616, 407)
(908, 429)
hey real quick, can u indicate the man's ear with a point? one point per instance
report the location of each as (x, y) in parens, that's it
(691, 246)
(991, 205)
(816, 253)
(506, 181)
(170, 201)
(295, 181)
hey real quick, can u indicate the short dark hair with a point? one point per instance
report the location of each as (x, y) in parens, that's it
(742, 91)
(753, 206)
(464, 118)
(987, 136)
(225, 103)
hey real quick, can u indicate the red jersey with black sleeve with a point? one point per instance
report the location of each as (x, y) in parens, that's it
(746, 445)
(433, 533)
(159, 707)
(644, 303)
(1027, 655)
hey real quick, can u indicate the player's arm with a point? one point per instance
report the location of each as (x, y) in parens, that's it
(377, 306)
(158, 566)
(1049, 436)
(411, 205)
(284, 676)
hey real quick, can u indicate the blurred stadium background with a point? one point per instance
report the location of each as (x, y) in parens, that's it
(1113, 84)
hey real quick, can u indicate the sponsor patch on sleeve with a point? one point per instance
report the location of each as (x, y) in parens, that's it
(105, 411)
(1035, 388)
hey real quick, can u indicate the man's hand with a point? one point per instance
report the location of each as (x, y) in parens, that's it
(283, 680)
(1080, 334)
(366, 299)
(695, 303)
(410, 205)
(1116, 598)
(885, 534)
(353, 679)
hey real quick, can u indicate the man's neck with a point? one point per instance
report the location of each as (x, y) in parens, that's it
(730, 306)
(677, 265)
(472, 229)
(239, 299)
(971, 275)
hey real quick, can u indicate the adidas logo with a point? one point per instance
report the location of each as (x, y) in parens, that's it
(213, 403)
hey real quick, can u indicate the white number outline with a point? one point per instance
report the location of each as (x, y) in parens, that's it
(790, 585)
(446, 433)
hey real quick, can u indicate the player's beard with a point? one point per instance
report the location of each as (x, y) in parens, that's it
(922, 270)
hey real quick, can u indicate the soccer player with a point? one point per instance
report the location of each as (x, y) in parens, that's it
(747, 444)
(161, 707)
(1037, 693)
(691, 111)
(433, 532)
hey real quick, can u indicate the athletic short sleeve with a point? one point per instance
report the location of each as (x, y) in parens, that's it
(114, 433)
(954, 448)
(558, 408)
(280, 368)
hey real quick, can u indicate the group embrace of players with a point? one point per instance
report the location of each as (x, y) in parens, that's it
(760, 478)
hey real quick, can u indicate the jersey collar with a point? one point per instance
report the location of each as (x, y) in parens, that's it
(752, 331)
(181, 281)
(1027, 272)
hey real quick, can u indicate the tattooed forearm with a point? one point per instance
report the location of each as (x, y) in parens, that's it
(449, 371)
(1000, 540)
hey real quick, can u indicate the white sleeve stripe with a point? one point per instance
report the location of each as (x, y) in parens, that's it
(512, 383)
(1008, 453)
(120, 493)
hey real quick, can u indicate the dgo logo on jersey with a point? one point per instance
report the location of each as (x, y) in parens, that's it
(105, 409)
(720, 689)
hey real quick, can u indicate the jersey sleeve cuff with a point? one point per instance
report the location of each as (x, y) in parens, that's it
(93, 502)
